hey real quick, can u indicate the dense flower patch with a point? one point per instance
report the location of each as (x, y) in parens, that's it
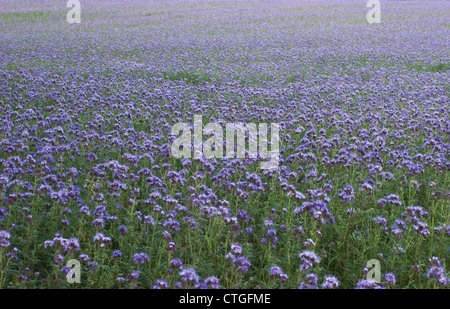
(86, 172)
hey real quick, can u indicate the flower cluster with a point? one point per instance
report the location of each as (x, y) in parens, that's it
(88, 124)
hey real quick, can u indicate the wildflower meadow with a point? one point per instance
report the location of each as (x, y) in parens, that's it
(109, 180)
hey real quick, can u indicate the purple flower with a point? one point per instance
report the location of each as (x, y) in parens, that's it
(48, 243)
(176, 263)
(59, 258)
(271, 233)
(149, 220)
(236, 249)
(242, 263)
(13, 254)
(3, 213)
(312, 279)
(84, 257)
(330, 282)
(367, 284)
(276, 272)
(117, 254)
(102, 240)
(4, 236)
(380, 220)
(66, 269)
(123, 230)
(189, 275)
(390, 278)
(212, 282)
(134, 276)
(161, 284)
(308, 259)
(309, 243)
(140, 258)
(437, 271)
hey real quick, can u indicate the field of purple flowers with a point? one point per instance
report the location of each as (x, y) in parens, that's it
(86, 172)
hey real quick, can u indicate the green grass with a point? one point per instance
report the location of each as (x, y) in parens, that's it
(438, 68)
(32, 16)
